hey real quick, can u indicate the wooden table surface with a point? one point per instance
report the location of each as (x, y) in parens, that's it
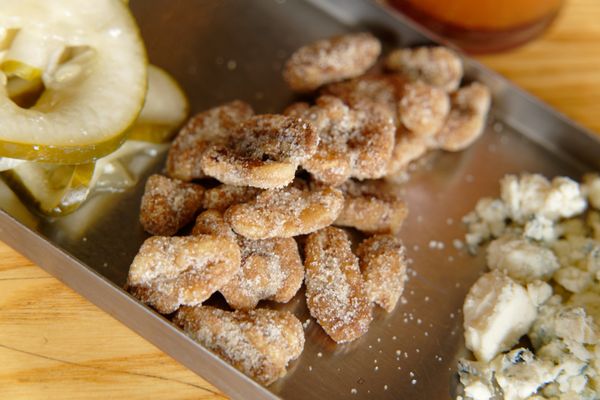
(54, 344)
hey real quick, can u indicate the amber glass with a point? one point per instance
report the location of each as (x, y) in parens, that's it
(480, 26)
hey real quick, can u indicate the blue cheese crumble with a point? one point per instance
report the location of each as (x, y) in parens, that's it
(544, 283)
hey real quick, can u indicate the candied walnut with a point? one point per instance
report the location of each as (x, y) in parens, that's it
(420, 107)
(354, 141)
(260, 343)
(203, 129)
(371, 207)
(408, 147)
(270, 269)
(211, 222)
(437, 66)
(335, 291)
(168, 272)
(262, 152)
(286, 212)
(223, 196)
(384, 269)
(385, 89)
(423, 108)
(466, 120)
(331, 60)
(168, 204)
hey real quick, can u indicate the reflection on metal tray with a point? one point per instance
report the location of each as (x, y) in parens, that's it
(221, 50)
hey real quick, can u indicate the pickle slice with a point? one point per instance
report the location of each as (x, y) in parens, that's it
(90, 100)
(165, 108)
(52, 189)
(58, 189)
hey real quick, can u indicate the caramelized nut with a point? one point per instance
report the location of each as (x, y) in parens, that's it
(384, 269)
(168, 204)
(171, 271)
(270, 269)
(285, 212)
(331, 60)
(335, 291)
(371, 207)
(466, 121)
(437, 66)
(260, 343)
(263, 152)
(354, 141)
(203, 129)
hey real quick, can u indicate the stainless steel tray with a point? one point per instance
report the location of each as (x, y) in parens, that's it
(225, 49)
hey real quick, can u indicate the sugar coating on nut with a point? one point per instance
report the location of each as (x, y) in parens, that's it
(211, 222)
(287, 212)
(335, 291)
(407, 148)
(263, 152)
(203, 129)
(260, 343)
(354, 141)
(466, 121)
(331, 60)
(223, 196)
(423, 108)
(270, 269)
(168, 204)
(371, 207)
(385, 89)
(384, 269)
(437, 66)
(168, 272)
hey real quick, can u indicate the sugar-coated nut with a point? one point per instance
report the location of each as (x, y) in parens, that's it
(384, 269)
(437, 66)
(263, 152)
(335, 291)
(270, 269)
(169, 272)
(211, 222)
(423, 108)
(331, 60)
(355, 141)
(224, 196)
(287, 212)
(466, 121)
(168, 204)
(260, 343)
(408, 147)
(203, 129)
(371, 207)
(384, 89)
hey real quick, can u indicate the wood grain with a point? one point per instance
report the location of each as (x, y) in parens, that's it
(55, 345)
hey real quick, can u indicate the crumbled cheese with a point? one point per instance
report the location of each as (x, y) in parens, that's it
(540, 228)
(533, 194)
(539, 292)
(520, 374)
(522, 260)
(542, 242)
(573, 279)
(497, 312)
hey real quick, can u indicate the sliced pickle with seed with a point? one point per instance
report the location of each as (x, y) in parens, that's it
(91, 99)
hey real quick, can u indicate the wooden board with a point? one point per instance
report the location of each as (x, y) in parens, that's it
(55, 345)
